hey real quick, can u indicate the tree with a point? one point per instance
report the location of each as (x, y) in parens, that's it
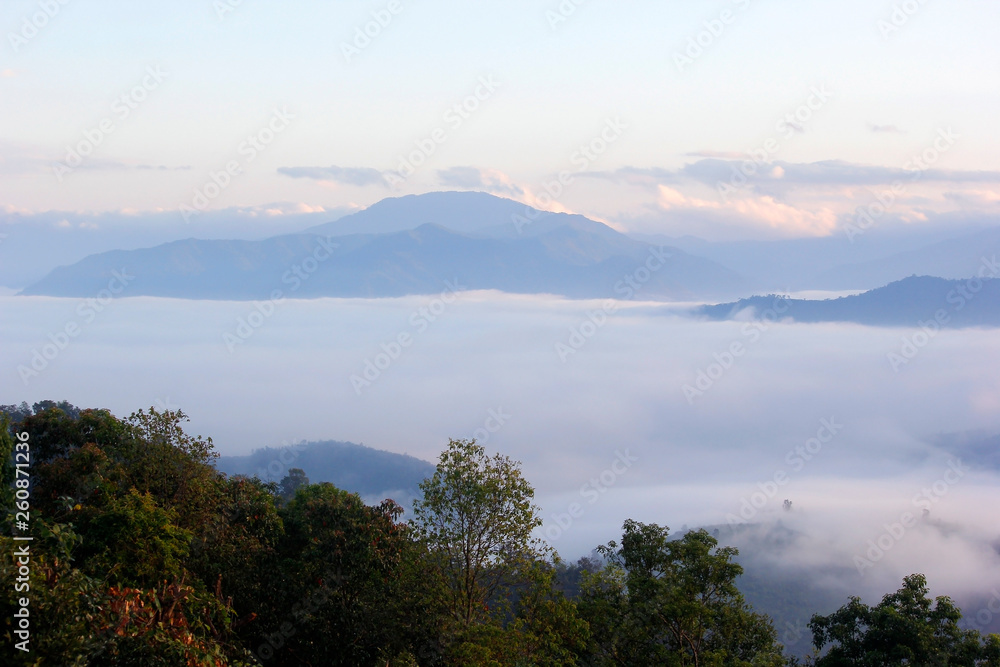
(295, 478)
(7, 468)
(905, 628)
(477, 517)
(339, 581)
(673, 602)
(116, 508)
(16, 413)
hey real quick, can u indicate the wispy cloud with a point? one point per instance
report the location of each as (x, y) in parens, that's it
(831, 172)
(725, 155)
(358, 176)
(711, 171)
(473, 178)
(886, 129)
(762, 211)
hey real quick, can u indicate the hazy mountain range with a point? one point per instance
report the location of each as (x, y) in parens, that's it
(372, 473)
(908, 302)
(425, 244)
(411, 245)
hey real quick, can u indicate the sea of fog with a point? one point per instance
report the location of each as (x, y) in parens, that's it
(616, 410)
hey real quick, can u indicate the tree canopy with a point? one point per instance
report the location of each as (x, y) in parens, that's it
(144, 554)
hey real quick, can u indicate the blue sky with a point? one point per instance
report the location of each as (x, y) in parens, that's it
(691, 89)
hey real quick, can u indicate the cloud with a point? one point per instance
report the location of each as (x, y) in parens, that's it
(975, 198)
(711, 171)
(696, 461)
(763, 211)
(725, 155)
(796, 128)
(887, 129)
(488, 180)
(639, 176)
(358, 176)
(828, 173)
(7, 74)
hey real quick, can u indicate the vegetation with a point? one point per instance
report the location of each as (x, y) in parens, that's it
(144, 554)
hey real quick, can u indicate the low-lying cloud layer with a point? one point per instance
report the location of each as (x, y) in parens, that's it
(616, 412)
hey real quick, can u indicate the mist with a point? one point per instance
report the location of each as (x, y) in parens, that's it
(615, 409)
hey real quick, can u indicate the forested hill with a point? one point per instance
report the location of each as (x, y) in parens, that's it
(348, 466)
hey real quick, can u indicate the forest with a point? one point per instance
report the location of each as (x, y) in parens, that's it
(142, 553)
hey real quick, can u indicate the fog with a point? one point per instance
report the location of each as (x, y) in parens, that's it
(590, 397)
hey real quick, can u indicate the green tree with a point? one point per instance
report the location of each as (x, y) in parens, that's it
(905, 628)
(118, 509)
(7, 468)
(338, 585)
(673, 602)
(295, 478)
(477, 517)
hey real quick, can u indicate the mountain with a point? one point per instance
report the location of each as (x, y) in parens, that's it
(952, 258)
(408, 245)
(372, 473)
(838, 263)
(907, 302)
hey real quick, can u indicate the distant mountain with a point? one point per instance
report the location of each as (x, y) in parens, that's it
(371, 473)
(409, 245)
(902, 303)
(952, 258)
(835, 263)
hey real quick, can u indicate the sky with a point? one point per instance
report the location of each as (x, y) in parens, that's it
(726, 120)
(125, 124)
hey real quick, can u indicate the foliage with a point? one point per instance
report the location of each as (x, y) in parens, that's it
(477, 517)
(291, 483)
(905, 628)
(673, 602)
(144, 554)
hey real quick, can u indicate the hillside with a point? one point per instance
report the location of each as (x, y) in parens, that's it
(952, 303)
(411, 245)
(356, 468)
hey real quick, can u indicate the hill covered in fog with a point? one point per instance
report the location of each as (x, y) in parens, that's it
(907, 302)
